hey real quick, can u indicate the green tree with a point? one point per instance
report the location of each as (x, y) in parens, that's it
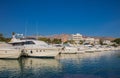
(71, 41)
(1, 35)
(81, 42)
(56, 41)
(3, 39)
(7, 39)
(65, 42)
(45, 39)
(114, 45)
(117, 41)
(101, 42)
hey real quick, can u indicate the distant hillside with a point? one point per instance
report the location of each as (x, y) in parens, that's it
(61, 36)
(105, 38)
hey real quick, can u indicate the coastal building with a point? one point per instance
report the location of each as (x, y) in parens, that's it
(97, 41)
(77, 37)
(107, 42)
(89, 40)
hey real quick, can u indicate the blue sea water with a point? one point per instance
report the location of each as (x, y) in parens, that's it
(86, 65)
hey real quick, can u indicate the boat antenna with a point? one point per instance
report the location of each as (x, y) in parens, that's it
(37, 30)
(25, 29)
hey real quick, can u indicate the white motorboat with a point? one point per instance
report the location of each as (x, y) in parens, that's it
(34, 48)
(81, 49)
(68, 50)
(91, 49)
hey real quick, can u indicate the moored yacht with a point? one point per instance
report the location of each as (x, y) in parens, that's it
(69, 49)
(34, 48)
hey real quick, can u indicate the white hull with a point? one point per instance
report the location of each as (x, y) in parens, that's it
(71, 50)
(68, 52)
(90, 51)
(10, 53)
(41, 53)
(99, 50)
(82, 51)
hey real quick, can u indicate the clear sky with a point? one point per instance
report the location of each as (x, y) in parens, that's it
(48, 17)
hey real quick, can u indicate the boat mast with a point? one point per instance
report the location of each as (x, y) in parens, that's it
(25, 29)
(37, 31)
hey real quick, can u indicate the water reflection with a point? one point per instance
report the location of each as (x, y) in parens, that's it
(94, 55)
(86, 65)
(39, 68)
(9, 68)
(29, 68)
(37, 63)
(91, 65)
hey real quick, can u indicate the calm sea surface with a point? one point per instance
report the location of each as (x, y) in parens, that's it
(87, 65)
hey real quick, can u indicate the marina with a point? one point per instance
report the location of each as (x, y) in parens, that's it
(59, 38)
(18, 47)
(29, 58)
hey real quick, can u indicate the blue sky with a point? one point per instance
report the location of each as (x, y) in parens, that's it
(48, 17)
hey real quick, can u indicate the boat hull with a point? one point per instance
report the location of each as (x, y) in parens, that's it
(68, 52)
(41, 53)
(10, 53)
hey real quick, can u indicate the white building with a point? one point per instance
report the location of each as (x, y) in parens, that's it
(89, 40)
(77, 37)
(97, 41)
(107, 42)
